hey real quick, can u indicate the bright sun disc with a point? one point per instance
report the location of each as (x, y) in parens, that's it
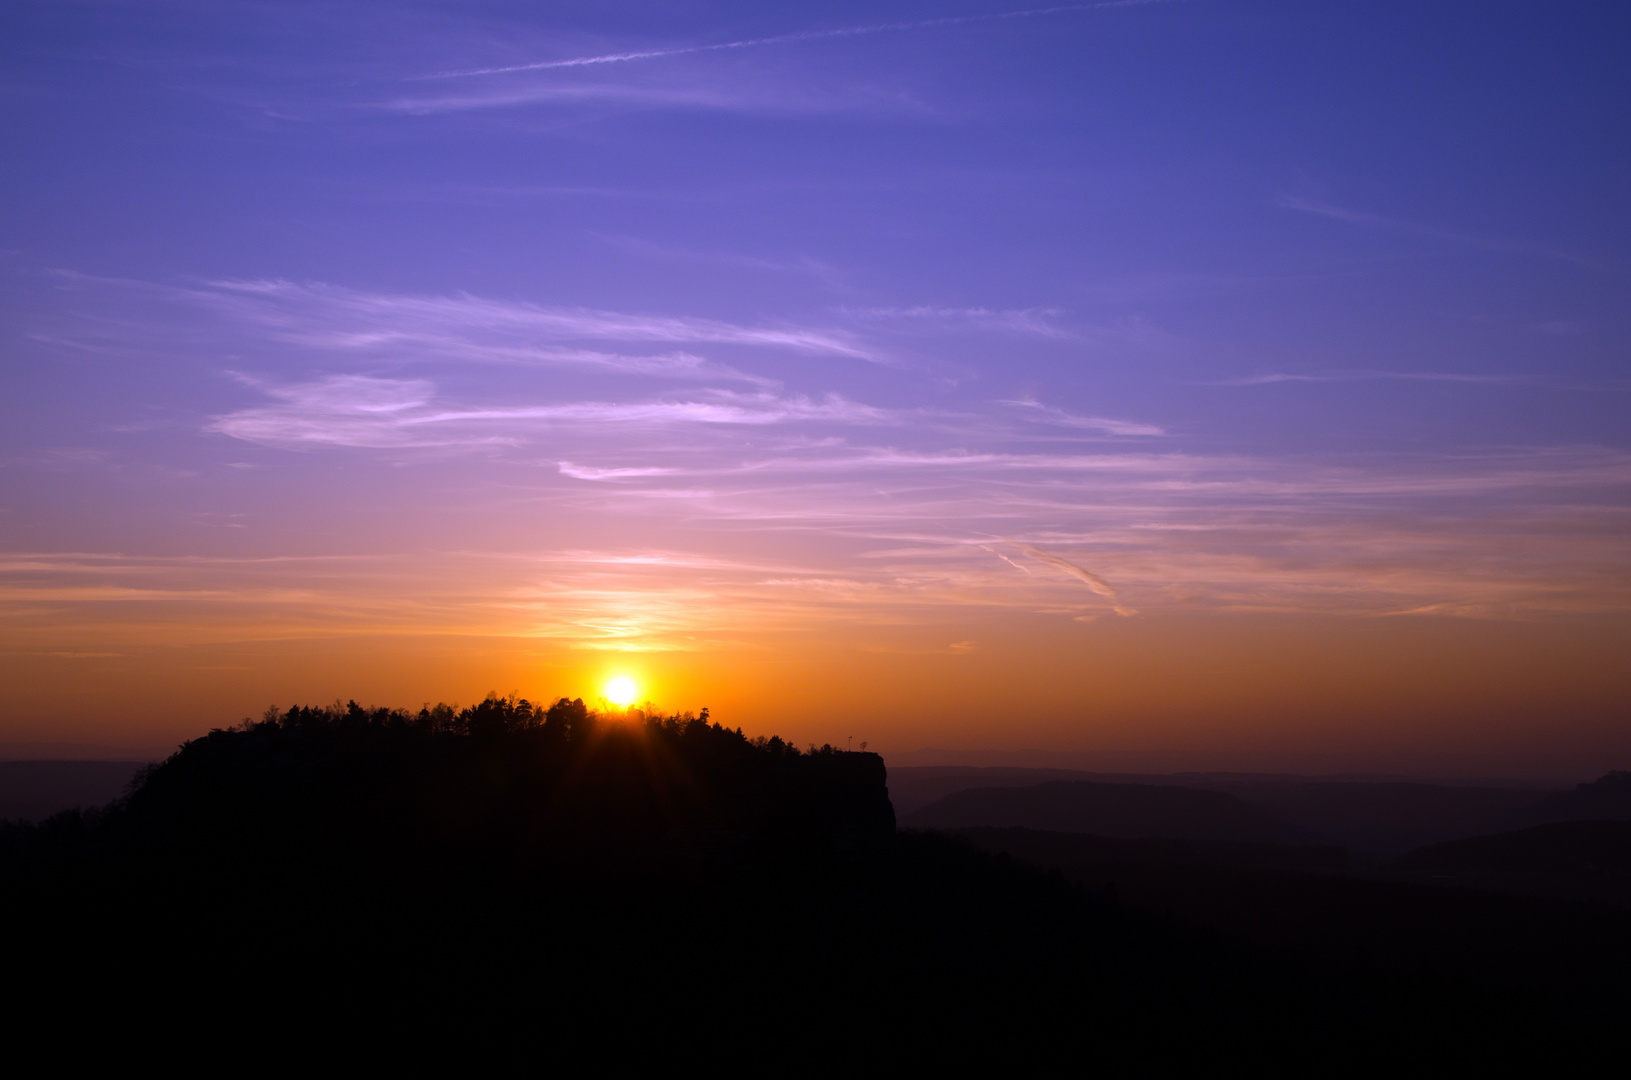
(621, 691)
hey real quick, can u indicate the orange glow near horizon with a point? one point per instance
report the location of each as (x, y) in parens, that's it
(1374, 655)
(1157, 693)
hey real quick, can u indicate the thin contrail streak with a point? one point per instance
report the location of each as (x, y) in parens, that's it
(782, 39)
(1086, 577)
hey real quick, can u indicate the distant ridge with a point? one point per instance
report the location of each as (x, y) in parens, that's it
(1574, 860)
(34, 790)
(1608, 798)
(1381, 816)
(1123, 811)
(1148, 768)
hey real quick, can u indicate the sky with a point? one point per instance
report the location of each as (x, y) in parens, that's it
(1167, 385)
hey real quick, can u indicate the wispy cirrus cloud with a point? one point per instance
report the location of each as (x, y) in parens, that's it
(1086, 577)
(589, 472)
(893, 512)
(341, 410)
(362, 411)
(1371, 220)
(1158, 534)
(475, 328)
(1491, 378)
(639, 77)
(654, 94)
(313, 324)
(1032, 322)
(795, 37)
(1037, 412)
(801, 265)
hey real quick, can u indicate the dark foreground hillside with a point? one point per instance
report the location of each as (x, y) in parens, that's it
(1284, 901)
(529, 879)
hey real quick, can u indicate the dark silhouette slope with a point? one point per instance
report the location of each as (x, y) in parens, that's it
(1114, 810)
(1577, 954)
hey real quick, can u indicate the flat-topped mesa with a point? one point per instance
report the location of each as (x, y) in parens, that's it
(523, 785)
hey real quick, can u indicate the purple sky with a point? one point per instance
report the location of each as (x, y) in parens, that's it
(668, 328)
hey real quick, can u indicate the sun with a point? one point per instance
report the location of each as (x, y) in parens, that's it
(621, 691)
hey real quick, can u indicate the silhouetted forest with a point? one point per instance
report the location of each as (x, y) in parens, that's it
(661, 885)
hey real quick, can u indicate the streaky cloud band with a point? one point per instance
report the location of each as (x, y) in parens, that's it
(1513, 378)
(783, 39)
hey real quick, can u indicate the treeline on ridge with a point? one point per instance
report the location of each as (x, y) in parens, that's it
(503, 782)
(566, 720)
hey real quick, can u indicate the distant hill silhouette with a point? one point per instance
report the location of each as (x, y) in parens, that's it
(1157, 851)
(1608, 798)
(32, 790)
(914, 787)
(1127, 811)
(1386, 817)
(1581, 860)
